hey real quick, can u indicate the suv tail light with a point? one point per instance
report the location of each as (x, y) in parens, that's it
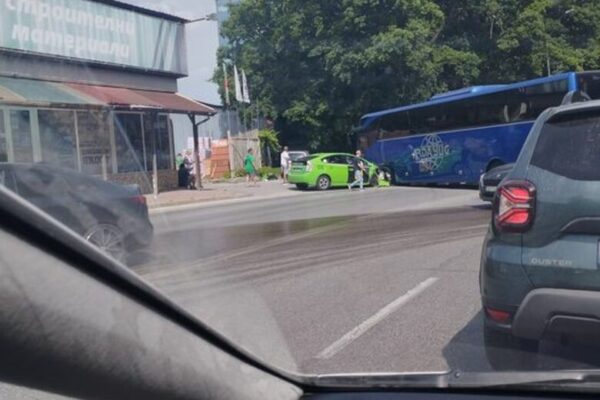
(514, 206)
(499, 316)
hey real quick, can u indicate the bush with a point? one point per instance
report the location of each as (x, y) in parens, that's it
(269, 172)
(239, 173)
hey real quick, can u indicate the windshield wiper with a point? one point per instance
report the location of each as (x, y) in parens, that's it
(458, 379)
(381, 380)
(524, 379)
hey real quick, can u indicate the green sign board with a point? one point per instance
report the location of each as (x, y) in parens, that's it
(93, 31)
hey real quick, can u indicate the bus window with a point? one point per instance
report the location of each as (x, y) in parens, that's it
(457, 115)
(590, 84)
(490, 109)
(419, 120)
(542, 96)
(394, 125)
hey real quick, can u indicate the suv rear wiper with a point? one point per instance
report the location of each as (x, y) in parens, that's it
(457, 379)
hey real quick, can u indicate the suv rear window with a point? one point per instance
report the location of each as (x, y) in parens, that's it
(569, 145)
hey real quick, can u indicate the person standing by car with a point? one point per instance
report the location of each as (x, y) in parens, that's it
(190, 166)
(359, 168)
(285, 162)
(250, 168)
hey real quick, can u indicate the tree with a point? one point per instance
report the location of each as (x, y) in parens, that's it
(318, 66)
(269, 142)
(563, 36)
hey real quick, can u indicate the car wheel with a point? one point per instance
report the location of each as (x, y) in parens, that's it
(107, 238)
(507, 352)
(301, 186)
(323, 182)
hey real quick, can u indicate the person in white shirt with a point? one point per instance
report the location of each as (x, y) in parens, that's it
(286, 162)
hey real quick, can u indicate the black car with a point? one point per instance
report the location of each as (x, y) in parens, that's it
(489, 181)
(113, 217)
(540, 262)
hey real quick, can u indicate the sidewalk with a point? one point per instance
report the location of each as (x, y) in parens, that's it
(219, 191)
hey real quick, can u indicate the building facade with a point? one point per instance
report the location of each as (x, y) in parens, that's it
(92, 85)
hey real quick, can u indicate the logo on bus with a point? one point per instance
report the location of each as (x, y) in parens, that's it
(431, 153)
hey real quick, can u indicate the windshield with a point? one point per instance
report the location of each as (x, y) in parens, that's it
(309, 178)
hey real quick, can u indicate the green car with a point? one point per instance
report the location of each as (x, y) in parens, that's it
(326, 170)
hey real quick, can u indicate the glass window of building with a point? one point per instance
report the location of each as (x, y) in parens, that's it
(20, 128)
(156, 131)
(57, 137)
(93, 128)
(129, 142)
(3, 144)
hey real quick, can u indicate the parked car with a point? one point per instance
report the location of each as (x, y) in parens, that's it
(489, 181)
(326, 170)
(111, 216)
(540, 262)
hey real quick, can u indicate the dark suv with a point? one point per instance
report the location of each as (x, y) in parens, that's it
(540, 265)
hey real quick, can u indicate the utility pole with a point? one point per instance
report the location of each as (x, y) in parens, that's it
(195, 126)
(198, 182)
(548, 70)
(192, 117)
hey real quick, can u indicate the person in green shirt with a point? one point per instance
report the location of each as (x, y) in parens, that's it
(250, 168)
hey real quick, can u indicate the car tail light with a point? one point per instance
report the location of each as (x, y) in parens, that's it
(514, 206)
(501, 317)
(308, 166)
(139, 199)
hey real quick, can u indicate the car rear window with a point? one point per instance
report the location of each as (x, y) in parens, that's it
(305, 159)
(569, 145)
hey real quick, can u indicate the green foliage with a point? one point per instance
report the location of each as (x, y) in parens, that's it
(269, 173)
(269, 138)
(239, 173)
(317, 66)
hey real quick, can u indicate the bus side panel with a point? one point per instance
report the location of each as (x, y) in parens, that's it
(375, 153)
(451, 157)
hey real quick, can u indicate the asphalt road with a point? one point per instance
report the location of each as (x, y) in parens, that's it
(381, 280)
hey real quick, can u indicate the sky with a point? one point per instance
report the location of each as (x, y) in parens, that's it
(202, 42)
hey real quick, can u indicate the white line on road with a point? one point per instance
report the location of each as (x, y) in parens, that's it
(359, 330)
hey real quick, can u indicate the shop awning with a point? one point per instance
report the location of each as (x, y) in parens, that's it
(134, 99)
(36, 93)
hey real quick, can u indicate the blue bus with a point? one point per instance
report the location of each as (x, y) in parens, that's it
(456, 136)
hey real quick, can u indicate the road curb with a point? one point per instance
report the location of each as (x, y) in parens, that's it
(213, 203)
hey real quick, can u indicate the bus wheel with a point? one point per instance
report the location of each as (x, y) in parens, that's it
(323, 182)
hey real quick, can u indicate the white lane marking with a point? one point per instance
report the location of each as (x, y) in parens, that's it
(359, 330)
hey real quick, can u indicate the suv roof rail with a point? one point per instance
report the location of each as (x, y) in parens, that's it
(575, 96)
